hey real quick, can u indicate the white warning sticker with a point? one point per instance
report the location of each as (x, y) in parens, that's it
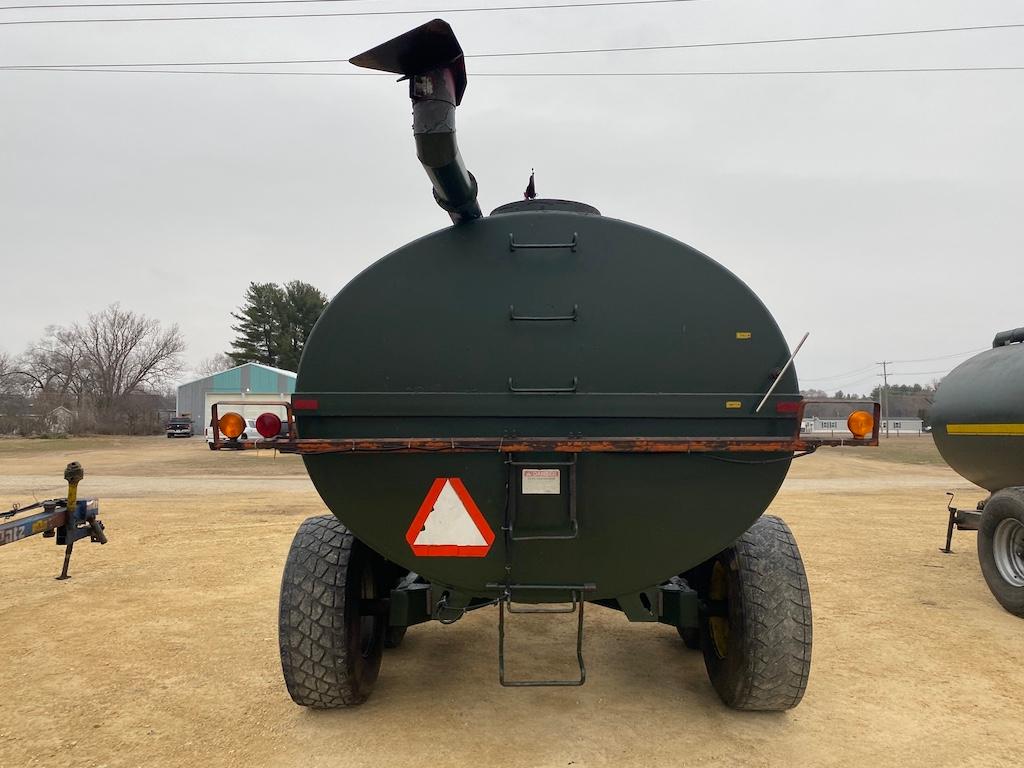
(542, 481)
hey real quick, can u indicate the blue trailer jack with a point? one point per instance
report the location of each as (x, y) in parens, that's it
(67, 520)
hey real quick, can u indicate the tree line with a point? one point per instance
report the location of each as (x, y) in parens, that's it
(273, 323)
(111, 371)
(116, 370)
(902, 400)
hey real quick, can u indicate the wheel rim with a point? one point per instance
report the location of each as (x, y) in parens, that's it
(1008, 551)
(367, 624)
(718, 626)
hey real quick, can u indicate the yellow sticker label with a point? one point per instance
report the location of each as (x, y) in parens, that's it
(743, 334)
(733, 404)
(38, 525)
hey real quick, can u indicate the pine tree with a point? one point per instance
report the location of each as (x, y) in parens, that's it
(259, 325)
(303, 304)
(273, 323)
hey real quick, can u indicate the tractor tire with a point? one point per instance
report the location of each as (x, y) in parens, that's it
(1001, 548)
(330, 651)
(756, 631)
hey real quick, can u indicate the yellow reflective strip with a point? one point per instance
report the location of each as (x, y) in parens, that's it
(985, 429)
(733, 404)
(743, 334)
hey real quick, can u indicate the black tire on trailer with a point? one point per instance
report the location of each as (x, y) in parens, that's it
(330, 651)
(394, 636)
(212, 446)
(690, 637)
(1001, 548)
(756, 633)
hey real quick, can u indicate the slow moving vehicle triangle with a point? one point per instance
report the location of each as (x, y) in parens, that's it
(449, 523)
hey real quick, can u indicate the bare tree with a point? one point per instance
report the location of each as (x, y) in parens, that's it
(6, 370)
(12, 380)
(214, 364)
(56, 364)
(124, 353)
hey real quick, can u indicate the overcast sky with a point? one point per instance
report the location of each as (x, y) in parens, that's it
(880, 212)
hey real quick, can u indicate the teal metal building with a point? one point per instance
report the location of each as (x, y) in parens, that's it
(251, 381)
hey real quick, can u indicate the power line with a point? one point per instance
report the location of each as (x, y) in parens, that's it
(916, 373)
(162, 4)
(855, 383)
(842, 375)
(771, 41)
(572, 51)
(194, 72)
(943, 357)
(901, 362)
(122, 19)
(524, 74)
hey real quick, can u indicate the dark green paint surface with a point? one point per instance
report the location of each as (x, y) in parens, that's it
(987, 389)
(422, 344)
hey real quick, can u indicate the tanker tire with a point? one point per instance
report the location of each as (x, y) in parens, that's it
(394, 636)
(1002, 555)
(690, 637)
(768, 641)
(327, 661)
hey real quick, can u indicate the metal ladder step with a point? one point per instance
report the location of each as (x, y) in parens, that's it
(576, 606)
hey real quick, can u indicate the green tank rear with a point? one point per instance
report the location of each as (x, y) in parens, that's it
(537, 410)
(621, 332)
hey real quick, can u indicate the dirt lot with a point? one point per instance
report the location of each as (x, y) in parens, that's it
(161, 651)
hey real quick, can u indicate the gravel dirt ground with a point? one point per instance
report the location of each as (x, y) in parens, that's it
(161, 650)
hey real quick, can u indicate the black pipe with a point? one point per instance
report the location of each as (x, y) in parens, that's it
(431, 58)
(1008, 337)
(434, 97)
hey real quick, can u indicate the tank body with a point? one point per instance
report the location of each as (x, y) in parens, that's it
(978, 418)
(549, 320)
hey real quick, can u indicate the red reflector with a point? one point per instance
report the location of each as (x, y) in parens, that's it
(791, 406)
(268, 425)
(305, 405)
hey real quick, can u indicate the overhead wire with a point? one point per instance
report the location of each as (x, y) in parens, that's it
(895, 373)
(724, 73)
(941, 357)
(943, 371)
(560, 52)
(69, 6)
(394, 12)
(842, 375)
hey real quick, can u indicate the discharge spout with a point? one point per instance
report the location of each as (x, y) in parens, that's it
(431, 58)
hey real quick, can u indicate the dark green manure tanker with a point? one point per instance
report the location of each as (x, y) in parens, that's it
(978, 427)
(537, 410)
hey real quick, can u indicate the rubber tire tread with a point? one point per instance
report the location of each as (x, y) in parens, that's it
(312, 634)
(690, 637)
(769, 651)
(1007, 503)
(394, 636)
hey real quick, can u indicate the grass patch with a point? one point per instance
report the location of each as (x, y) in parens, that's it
(915, 449)
(30, 446)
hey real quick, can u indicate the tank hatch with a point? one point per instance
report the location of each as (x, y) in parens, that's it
(545, 204)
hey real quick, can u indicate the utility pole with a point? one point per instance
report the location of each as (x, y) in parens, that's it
(885, 393)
